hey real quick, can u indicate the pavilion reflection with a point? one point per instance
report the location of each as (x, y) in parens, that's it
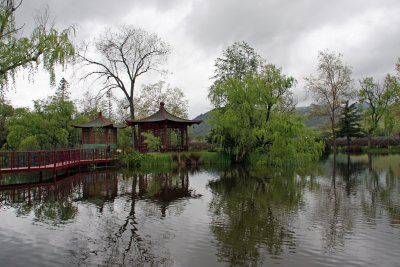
(164, 187)
(97, 188)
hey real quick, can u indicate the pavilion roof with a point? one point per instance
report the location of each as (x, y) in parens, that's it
(162, 115)
(99, 122)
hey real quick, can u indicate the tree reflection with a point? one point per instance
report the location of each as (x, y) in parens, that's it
(371, 181)
(161, 188)
(54, 202)
(334, 210)
(252, 211)
(383, 189)
(350, 171)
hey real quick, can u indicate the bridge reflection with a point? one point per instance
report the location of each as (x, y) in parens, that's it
(96, 187)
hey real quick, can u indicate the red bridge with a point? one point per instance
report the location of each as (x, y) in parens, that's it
(26, 161)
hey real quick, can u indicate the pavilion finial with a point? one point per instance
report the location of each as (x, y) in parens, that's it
(162, 104)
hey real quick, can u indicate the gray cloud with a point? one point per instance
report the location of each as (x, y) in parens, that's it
(287, 33)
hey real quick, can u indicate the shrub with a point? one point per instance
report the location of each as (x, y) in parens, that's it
(153, 142)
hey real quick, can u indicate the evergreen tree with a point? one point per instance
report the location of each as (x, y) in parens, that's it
(349, 122)
(62, 92)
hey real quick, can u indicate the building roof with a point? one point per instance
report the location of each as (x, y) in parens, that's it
(162, 115)
(99, 122)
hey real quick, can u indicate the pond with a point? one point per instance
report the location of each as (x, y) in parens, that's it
(325, 214)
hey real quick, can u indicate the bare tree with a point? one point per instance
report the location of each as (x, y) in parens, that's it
(151, 95)
(331, 88)
(126, 53)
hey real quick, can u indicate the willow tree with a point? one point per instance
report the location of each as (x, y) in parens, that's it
(46, 45)
(125, 54)
(331, 88)
(253, 115)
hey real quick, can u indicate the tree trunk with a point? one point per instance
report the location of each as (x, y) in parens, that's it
(333, 133)
(334, 173)
(369, 162)
(369, 139)
(334, 144)
(134, 134)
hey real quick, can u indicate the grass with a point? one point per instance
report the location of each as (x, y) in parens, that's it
(381, 150)
(172, 159)
(366, 150)
(156, 159)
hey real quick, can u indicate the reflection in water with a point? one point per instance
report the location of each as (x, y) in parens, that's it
(343, 211)
(165, 187)
(53, 202)
(253, 213)
(56, 203)
(383, 189)
(162, 188)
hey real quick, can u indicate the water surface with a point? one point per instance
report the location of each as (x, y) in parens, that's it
(325, 214)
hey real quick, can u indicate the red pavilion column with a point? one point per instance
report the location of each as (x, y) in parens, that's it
(186, 139)
(165, 141)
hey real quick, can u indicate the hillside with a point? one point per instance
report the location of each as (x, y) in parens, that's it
(203, 129)
(310, 120)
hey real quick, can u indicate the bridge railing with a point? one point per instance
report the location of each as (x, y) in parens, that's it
(14, 160)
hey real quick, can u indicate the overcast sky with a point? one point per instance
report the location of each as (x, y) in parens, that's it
(287, 33)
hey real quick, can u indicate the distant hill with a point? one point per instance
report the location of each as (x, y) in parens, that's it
(311, 121)
(203, 129)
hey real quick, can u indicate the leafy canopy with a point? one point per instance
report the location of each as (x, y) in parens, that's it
(47, 126)
(253, 115)
(46, 45)
(379, 98)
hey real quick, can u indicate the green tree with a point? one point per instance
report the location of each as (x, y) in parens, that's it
(378, 98)
(256, 117)
(46, 45)
(237, 61)
(349, 122)
(6, 111)
(47, 126)
(28, 125)
(331, 88)
(152, 142)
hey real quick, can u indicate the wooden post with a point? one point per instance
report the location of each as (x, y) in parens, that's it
(165, 141)
(139, 138)
(182, 130)
(55, 164)
(186, 139)
(106, 136)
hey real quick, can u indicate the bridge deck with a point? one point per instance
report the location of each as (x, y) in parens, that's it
(28, 161)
